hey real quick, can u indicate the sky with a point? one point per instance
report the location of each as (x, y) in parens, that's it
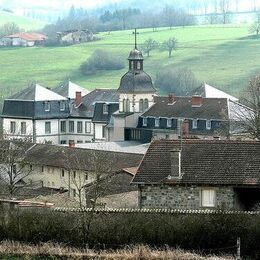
(56, 4)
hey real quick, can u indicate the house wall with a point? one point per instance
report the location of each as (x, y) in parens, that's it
(51, 177)
(134, 101)
(183, 197)
(99, 132)
(7, 127)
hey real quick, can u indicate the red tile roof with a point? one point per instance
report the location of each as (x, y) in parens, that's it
(28, 36)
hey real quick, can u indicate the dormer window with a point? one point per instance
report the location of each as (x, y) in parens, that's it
(208, 124)
(47, 106)
(144, 121)
(62, 106)
(156, 122)
(194, 124)
(105, 109)
(169, 122)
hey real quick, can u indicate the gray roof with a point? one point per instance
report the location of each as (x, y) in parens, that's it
(135, 81)
(86, 109)
(211, 108)
(135, 55)
(206, 162)
(36, 93)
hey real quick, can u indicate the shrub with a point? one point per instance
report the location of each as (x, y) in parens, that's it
(101, 60)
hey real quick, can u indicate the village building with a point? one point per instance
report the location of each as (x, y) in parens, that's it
(23, 39)
(75, 36)
(200, 174)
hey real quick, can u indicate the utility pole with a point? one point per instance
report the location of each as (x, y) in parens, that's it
(238, 249)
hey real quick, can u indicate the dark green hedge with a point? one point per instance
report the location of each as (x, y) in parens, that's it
(201, 232)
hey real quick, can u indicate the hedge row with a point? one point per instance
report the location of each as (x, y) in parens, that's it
(202, 232)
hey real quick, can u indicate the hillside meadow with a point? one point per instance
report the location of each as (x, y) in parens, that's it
(224, 56)
(23, 22)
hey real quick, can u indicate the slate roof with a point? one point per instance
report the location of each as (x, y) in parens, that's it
(205, 90)
(203, 162)
(86, 109)
(212, 108)
(136, 82)
(68, 89)
(80, 159)
(36, 93)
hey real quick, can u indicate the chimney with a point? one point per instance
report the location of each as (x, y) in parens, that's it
(172, 98)
(196, 101)
(78, 98)
(71, 143)
(185, 128)
(175, 164)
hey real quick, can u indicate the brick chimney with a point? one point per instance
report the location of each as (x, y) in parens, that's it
(185, 128)
(175, 164)
(78, 99)
(172, 98)
(71, 143)
(196, 101)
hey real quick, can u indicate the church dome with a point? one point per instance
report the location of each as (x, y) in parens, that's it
(135, 55)
(136, 82)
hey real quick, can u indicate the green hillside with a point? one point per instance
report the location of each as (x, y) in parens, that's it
(23, 22)
(222, 56)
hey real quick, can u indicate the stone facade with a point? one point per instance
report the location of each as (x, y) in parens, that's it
(183, 197)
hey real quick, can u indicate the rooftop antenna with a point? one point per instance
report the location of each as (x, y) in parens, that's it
(135, 33)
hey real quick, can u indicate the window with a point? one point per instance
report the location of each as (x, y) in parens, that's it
(127, 105)
(169, 122)
(74, 193)
(141, 105)
(23, 128)
(42, 168)
(31, 167)
(12, 127)
(88, 127)
(138, 65)
(208, 124)
(47, 127)
(62, 173)
(105, 109)
(62, 106)
(79, 142)
(79, 127)
(156, 122)
(74, 174)
(63, 126)
(146, 104)
(208, 198)
(144, 121)
(103, 131)
(71, 126)
(86, 176)
(47, 106)
(194, 124)
(63, 142)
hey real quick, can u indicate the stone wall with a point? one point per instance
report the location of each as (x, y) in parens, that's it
(182, 197)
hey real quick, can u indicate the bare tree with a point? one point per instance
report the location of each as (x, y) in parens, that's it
(224, 7)
(14, 167)
(9, 28)
(149, 45)
(255, 27)
(170, 45)
(246, 116)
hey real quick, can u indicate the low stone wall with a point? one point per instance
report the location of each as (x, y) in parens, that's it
(182, 197)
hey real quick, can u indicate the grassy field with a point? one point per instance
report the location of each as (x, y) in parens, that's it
(225, 56)
(23, 22)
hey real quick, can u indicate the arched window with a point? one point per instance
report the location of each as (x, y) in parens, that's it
(127, 105)
(141, 105)
(124, 105)
(138, 65)
(146, 104)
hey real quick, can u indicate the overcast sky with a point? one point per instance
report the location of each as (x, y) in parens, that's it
(55, 4)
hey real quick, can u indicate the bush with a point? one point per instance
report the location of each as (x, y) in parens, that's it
(101, 60)
(51, 42)
(179, 81)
